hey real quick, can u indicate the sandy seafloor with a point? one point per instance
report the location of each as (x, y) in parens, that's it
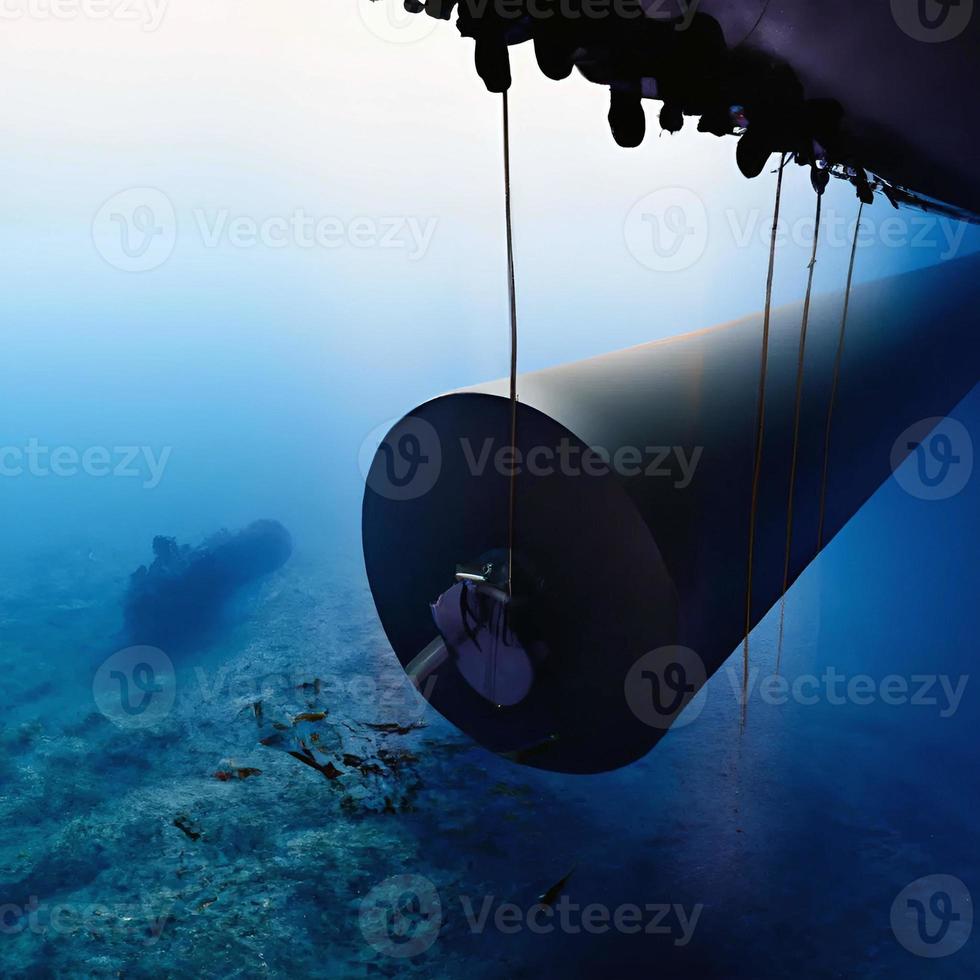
(794, 836)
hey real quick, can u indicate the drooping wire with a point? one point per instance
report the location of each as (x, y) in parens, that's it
(512, 299)
(499, 631)
(760, 430)
(796, 427)
(833, 390)
(755, 26)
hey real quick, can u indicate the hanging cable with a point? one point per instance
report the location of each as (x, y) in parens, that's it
(512, 304)
(755, 26)
(512, 298)
(833, 390)
(760, 429)
(796, 426)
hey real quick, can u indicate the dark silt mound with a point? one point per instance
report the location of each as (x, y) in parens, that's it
(179, 600)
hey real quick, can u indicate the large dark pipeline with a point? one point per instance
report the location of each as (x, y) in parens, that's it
(634, 474)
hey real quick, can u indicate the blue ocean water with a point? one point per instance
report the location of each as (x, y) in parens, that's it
(781, 847)
(246, 387)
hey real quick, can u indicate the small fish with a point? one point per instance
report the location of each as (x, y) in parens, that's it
(548, 898)
(313, 685)
(257, 708)
(393, 728)
(364, 767)
(224, 776)
(395, 759)
(310, 716)
(181, 824)
(328, 771)
(530, 751)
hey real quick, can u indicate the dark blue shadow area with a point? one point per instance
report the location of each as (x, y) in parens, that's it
(774, 851)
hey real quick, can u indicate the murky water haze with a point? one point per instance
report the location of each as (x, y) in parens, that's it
(235, 382)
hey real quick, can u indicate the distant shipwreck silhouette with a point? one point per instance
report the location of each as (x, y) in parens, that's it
(180, 600)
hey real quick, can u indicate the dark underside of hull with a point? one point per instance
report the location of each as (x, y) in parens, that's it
(881, 94)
